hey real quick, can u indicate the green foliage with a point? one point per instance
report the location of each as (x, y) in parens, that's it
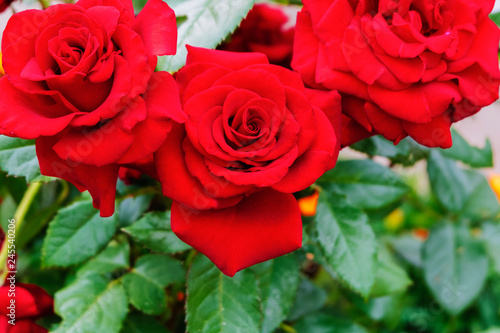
(91, 304)
(208, 23)
(220, 304)
(77, 233)
(455, 266)
(366, 184)
(145, 284)
(153, 230)
(347, 241)
(18, 158)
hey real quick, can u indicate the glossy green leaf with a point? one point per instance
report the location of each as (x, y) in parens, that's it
(154, 231)
(113, 257)
(18, 158)
(145, 284)
(322, 323)
(278, 281)
(409, 248)
(140, 323)
(220, 304)
(347, 241)
(455, 266)
(365, 183)
(208, 23)
(481, 202)
(448, 182)
(391, 278)
(491, 235)
(464, 152)
(310, 298)
(76, 234)
(91, 304)
(131, 209)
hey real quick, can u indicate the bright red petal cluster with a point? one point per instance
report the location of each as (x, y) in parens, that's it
(232, 137)
(403, 68)
(80, 79)
(22, 305)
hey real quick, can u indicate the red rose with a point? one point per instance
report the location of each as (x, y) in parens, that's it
(402, 67)
(263, 31)
(251, 139)
(31, 302)
(80, 80)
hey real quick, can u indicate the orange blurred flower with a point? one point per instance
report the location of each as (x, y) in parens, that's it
(495, 185)
(308, 204)
(2, 73)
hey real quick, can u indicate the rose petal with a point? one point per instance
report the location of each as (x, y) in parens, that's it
(262, 226)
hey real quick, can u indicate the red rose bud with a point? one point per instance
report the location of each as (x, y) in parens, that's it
(81, 82)
(253, 138)
(263, 31)
(22, 304)
(402, 67)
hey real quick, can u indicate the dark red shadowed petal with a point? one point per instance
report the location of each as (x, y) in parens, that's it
(99, 181)
(435, 133)
(158, 28)
(263, 226)
(233, 60)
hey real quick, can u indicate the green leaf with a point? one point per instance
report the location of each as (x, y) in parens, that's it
(455, 266)
(310, 298)
(464, 152)
(347, 241)
(115, 256)
(145, 284)
(279, 281)
(91, 304)
(153, 231)
(495, 17)
(409, 247)
(220, 304)
(76, 234)
(491, 235)
(366, 184)
(448, 181)
(140, 323)
(390, 278)
(208, 23)
(322, 323)
(18, 158)
(131, 209)
(465, 192)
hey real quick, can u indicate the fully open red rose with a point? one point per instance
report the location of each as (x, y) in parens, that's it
(403, 68)
(263, 31)
(30, 303)
(252, 138)
(80, 80)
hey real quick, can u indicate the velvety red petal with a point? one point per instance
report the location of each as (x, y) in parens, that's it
(385, 124)
(320, 157)
(233, 60)
(125, 8)
(435, 133)
(26, 116)
(352, 132)
(157, 26)
(305, 49)
(99, 181)
(176, 180)
(20, 24)
(262, 226)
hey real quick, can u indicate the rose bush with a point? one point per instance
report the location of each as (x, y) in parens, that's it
(80, 79)
(403, 67)
(263, 31)
(251, 139)
(31, 303)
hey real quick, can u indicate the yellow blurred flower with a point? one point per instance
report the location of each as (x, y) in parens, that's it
(2, 73)
(495, 184)
(308, 204)
(394, 220)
